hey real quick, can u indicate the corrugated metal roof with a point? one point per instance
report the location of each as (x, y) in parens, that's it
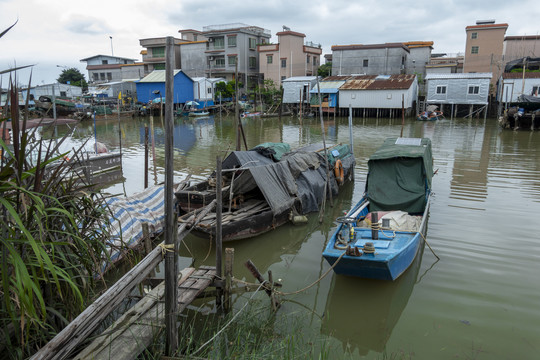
(370, 82)
(327, 87)
(337, 78)
(300, 78)
(459, 76)
(157, 76)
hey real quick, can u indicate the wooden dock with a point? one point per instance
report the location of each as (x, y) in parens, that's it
(134, 331)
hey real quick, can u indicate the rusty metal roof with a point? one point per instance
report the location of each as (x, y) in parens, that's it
(337, 78)
(375, 82)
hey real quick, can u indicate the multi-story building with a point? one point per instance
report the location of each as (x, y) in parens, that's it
(445, 64)
(153, 54)
(517, 47)
(231, 49)
(419, 56)
(374, 59)
(484, 48)
(290, 57)
(105, 68)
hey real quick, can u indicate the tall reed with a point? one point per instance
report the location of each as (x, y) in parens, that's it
(52, 234)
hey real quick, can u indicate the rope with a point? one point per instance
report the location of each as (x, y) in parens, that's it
(230, 321)
(429, 246)
(316, 281)
(166, 248)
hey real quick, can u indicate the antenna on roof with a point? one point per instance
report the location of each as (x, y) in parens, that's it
(286, 28)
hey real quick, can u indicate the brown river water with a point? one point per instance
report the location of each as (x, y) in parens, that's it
(481, 300)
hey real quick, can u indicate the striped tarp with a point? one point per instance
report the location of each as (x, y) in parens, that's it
(128, 215)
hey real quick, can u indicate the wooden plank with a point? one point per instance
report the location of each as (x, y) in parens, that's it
(61, 346)
(134, 331)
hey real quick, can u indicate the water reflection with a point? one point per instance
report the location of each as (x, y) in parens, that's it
(362, 313)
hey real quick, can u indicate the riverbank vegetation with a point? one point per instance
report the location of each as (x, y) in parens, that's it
(53, 230)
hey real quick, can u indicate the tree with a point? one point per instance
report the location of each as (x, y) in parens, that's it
(74, 77)
(325, 69)
(225, 89)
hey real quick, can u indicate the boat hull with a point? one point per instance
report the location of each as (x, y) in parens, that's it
(243, 229)
(392, 256)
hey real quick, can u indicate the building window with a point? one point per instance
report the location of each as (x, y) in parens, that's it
(307, 59)
(283, 63)
(252, 43)
(158, 51)
(220, 62)
(95, 76)
(219, 43)
(104, 62)
(194, 37)
(474, 35)
(232, 60)
(209, 90)
(231, 41)
(269, 59)
(441, 89)
(283, 78)
(252, 62)
(474, 50)
(474, 89)
(109, 76)
(159, 66)
(365, 63)
(102, 76)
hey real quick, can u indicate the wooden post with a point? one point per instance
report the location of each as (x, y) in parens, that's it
(402, 113)
(280, 105)
(236, 110)
(327, 185)
(229, 261)
(146, 156)
(219, 207)
(253, 269)
(171, 257)
(350, 130)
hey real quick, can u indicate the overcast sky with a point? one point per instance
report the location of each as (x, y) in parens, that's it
(59, 32)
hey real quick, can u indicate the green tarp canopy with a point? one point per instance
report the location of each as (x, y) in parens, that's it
(399, 175)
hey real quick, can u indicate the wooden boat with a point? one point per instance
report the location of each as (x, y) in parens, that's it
(381, 235)
(247, 114)
(198, 113)
(430, 116)
(266, 187)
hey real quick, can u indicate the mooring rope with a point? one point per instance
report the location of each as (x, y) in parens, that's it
(314, 283)
(230, 321)
(429, 246)
(166, 248)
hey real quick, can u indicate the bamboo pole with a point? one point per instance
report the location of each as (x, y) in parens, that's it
(146, 156)
(229, 261)
(219, 207)
(171, 257)
(327, 185)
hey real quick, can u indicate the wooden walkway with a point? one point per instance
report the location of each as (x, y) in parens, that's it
(134, 331)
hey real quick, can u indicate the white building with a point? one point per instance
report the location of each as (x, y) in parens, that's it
(296, 88)
(379, 92)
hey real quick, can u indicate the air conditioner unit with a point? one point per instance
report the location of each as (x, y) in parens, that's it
(210, 58)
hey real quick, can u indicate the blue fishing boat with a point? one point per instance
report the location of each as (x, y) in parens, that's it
(381, 235)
